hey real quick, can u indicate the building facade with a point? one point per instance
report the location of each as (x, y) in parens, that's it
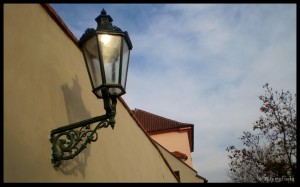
(175, 140)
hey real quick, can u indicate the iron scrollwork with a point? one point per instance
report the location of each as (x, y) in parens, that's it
(68, 141)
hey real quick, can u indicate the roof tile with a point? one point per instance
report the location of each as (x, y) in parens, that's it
(152, 122)
(180, 155)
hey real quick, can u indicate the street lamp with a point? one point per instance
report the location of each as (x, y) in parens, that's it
(106, 52)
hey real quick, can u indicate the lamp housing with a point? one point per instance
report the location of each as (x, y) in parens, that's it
(106, 52)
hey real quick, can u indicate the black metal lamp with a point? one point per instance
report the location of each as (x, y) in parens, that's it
(106, 51)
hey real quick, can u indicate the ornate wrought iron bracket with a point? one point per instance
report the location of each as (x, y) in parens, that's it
(68, 141)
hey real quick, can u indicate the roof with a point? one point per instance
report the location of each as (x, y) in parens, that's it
(155, 123)
(180, 155)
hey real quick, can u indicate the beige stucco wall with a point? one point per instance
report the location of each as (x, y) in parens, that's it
(175, 141)
(46, 86)
(187, 174)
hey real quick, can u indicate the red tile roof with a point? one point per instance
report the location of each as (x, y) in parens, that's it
(155, 123)
(180, 155)
(152, 122)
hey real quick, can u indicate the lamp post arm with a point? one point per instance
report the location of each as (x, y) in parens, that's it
(68, 141)
(110, 103)
(78, 124)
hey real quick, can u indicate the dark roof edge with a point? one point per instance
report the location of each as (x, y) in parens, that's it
(205, 180)
(171, 128)
(192, 139)
(59, 21)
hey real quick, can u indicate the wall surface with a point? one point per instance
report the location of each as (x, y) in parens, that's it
(46, 86)
(187, 174)
(175, 141)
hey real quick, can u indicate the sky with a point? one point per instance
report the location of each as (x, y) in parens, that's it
(203, 64)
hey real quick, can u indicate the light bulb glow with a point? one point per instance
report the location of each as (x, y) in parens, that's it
(105, 38)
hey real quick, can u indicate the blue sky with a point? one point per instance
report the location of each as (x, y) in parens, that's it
(203, 64)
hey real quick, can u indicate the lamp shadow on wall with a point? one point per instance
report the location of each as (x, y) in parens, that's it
(76, 111)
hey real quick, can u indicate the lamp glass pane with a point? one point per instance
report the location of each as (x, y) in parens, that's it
(110, 46)
(90, 50)
(125, 62)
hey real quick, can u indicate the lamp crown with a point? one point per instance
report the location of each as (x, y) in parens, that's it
(103, 12)
(104, 21)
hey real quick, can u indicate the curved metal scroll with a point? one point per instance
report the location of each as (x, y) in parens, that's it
(68, 141)
(66, 145)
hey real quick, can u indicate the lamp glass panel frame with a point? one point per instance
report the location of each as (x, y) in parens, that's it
(107, 57)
